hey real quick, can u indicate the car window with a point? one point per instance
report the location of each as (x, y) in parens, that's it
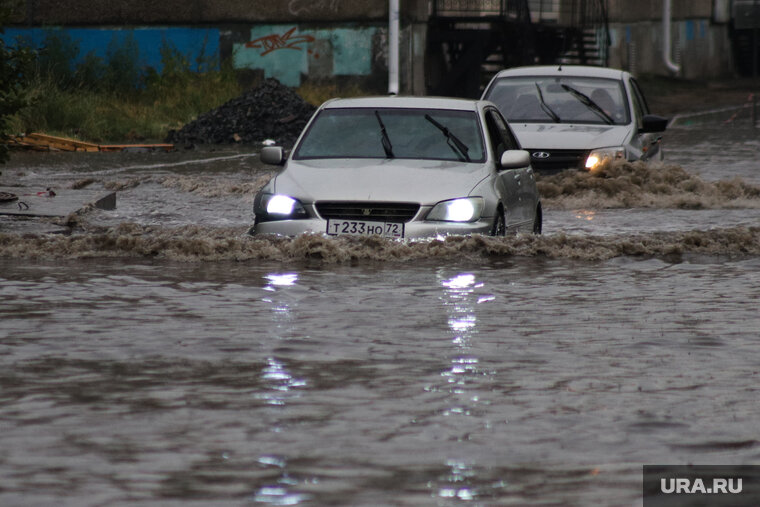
(411, 134)
(639, 103)
(550, 99)
(501, 137)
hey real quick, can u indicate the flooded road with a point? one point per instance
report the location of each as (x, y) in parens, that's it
(157, 354)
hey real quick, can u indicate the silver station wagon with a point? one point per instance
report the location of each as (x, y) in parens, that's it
(401, 167)
(577, 116)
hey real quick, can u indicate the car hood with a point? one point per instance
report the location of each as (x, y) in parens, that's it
(565, 136)
(399, 180)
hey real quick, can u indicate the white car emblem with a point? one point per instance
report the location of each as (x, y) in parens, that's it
(541, 154)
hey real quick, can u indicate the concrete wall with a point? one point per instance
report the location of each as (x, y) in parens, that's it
(290, 51)
(700, 37)
(298, 40)
(196, 43)
(100, 12)
(291, 40)
(172, 12)
(701, 48)
(628, 11)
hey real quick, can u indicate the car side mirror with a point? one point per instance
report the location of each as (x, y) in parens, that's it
(653, 123)
(272, 155)
(514, 159)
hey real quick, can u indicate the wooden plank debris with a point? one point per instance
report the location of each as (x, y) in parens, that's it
(44, 142)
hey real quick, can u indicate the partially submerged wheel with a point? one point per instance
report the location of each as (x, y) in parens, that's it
(538, 222)
(499, 224)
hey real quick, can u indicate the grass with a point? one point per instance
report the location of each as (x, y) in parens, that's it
(317, 93)
(144, 115)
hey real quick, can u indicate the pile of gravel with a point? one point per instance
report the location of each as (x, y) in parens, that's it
(270, 111)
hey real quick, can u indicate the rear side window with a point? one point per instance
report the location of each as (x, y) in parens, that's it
(639, 102)
(500, 135)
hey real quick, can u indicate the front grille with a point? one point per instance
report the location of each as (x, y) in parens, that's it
(383, 211)
(558, 160)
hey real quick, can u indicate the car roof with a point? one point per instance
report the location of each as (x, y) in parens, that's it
(563, 70)
(406, 102)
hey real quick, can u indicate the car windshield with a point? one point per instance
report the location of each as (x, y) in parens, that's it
(547, 99)
(437, 134)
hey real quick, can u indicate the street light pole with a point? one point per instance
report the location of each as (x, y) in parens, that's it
(393, 46)
(754, 61)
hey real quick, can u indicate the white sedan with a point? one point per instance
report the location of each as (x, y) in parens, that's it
(401, 167)
(573, 116)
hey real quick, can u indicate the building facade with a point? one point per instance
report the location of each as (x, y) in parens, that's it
(302, 41)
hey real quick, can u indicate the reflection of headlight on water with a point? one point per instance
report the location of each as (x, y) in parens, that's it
(282, 279)
(460, 281)
(597, 158)
(586, 215)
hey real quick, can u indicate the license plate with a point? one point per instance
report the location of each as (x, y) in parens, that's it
(365, 228)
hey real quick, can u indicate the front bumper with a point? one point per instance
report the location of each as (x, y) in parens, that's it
(412, 230)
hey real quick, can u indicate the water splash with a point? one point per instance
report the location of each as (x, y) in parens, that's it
(640, 185)
(208, 244)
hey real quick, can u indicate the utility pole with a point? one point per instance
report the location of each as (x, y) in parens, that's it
(754, 61)
(393, 46)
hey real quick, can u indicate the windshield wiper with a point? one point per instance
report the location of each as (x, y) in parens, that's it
(545, 107)
(459, 147)
(387, 146)
(586, 101)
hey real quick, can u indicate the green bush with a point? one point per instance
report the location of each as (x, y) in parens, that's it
(15, 68)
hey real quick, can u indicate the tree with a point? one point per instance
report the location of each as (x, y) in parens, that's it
(15, 70)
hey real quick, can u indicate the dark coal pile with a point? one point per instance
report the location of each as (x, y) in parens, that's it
(270, 111)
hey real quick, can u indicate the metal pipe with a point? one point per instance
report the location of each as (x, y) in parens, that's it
(393, 46)
(666, 44)
(754, 60)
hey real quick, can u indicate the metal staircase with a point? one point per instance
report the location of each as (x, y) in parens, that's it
(586, 32)
(469, 41)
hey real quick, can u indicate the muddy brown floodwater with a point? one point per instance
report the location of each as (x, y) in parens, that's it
(158, 355)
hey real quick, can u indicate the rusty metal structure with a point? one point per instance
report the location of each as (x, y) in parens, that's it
(470, 40)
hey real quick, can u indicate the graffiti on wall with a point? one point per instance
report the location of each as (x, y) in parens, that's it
(276, 41)
(323, 52)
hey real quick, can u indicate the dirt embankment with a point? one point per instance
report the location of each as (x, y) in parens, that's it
(269, 111)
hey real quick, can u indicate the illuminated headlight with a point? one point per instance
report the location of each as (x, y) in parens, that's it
(598, 157)
(467, 209)
(268, 207)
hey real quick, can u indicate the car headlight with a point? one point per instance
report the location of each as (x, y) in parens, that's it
(466, 209)
(269, 207)
(598, 157)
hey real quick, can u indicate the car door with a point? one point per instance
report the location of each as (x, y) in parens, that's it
(506, 182)
(646, 145)
(520, 182)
